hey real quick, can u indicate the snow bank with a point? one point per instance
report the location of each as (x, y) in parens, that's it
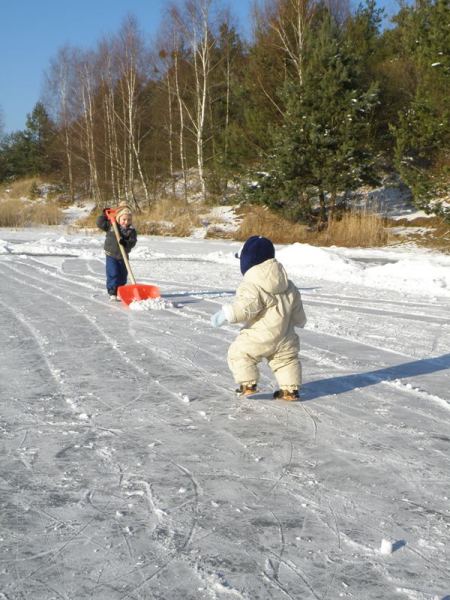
(414, 271)
(404, 269)
(318, 263)
(410, 275)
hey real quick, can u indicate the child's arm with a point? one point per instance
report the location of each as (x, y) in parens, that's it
(247, 305)
(298, 313)
(245, 308)
(103, 222)
(128, 238)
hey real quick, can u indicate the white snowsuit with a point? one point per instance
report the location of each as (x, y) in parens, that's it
(270, 306)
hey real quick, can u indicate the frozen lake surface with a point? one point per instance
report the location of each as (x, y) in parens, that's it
(129, 469)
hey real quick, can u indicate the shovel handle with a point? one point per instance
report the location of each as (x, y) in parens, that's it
(111, 215)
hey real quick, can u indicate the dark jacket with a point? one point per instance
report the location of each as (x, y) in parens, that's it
(128, 235)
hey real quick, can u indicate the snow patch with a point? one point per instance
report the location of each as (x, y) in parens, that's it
(386, 547)
(150, 304)
(4, 247)
(383, 269)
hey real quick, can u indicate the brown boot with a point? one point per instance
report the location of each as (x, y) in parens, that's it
(246, 390)
(288, 395)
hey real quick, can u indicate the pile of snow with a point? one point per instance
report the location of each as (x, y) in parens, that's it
(386, 547)
(316, 262)
(401, 271)
(150, 304)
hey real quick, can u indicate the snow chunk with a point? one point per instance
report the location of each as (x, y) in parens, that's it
(4, 248)
(386, 547)
(150, 304)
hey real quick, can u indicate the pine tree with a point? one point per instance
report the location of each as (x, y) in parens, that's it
(227, 140)
(422, 134)
(39, 133)
(29, 152)
(322, 148)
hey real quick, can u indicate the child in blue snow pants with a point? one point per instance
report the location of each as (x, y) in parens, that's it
(116, 270)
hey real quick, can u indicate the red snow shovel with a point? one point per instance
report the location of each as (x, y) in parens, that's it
(135, 292)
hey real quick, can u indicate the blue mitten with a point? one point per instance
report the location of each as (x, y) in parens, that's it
(218, 319)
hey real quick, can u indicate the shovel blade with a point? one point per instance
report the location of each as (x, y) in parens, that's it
(137, 292)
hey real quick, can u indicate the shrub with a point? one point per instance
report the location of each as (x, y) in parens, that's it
(356, 229)
(16, 213)
(353, 229)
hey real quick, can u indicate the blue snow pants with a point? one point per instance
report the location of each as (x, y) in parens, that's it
(116, 274)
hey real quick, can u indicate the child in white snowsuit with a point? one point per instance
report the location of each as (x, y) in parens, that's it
(270, 306)
(116, 270)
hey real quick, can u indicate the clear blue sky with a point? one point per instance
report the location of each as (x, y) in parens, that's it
(32, 31)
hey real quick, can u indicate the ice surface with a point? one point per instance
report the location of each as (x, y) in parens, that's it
(130, 470)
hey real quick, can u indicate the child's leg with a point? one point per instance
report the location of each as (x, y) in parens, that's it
(113, 275)
(242, 365)
(287, 369)
(122, 272)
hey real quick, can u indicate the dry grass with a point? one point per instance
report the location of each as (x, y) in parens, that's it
(18, 213)
(429, 232)
(258, 220)
(17, 209)
(20, 189)
(354, 229)
(166, 217)
(87, 222)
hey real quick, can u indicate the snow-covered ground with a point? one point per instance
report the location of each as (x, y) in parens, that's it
(129, 469)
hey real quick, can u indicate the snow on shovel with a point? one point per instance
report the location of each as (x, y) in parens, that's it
(135, 291)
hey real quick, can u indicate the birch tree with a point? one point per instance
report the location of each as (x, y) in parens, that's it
(130, 54)
(194, 23)
(62, 95)
(171, 54)
(288, 20)
(113, 164)
(87, 87)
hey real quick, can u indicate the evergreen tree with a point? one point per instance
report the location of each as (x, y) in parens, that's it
(322, 148)
(39, 134)
(28, 152)
(14, 156)
(228, 101)
(362, 31)
(422, 134)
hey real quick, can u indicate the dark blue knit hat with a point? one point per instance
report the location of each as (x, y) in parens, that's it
(255, 251)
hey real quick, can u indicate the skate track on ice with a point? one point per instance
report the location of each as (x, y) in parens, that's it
(129, 469)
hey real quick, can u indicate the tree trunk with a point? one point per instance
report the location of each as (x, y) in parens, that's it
(88, 118)
(323, 211)
(182, 126)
